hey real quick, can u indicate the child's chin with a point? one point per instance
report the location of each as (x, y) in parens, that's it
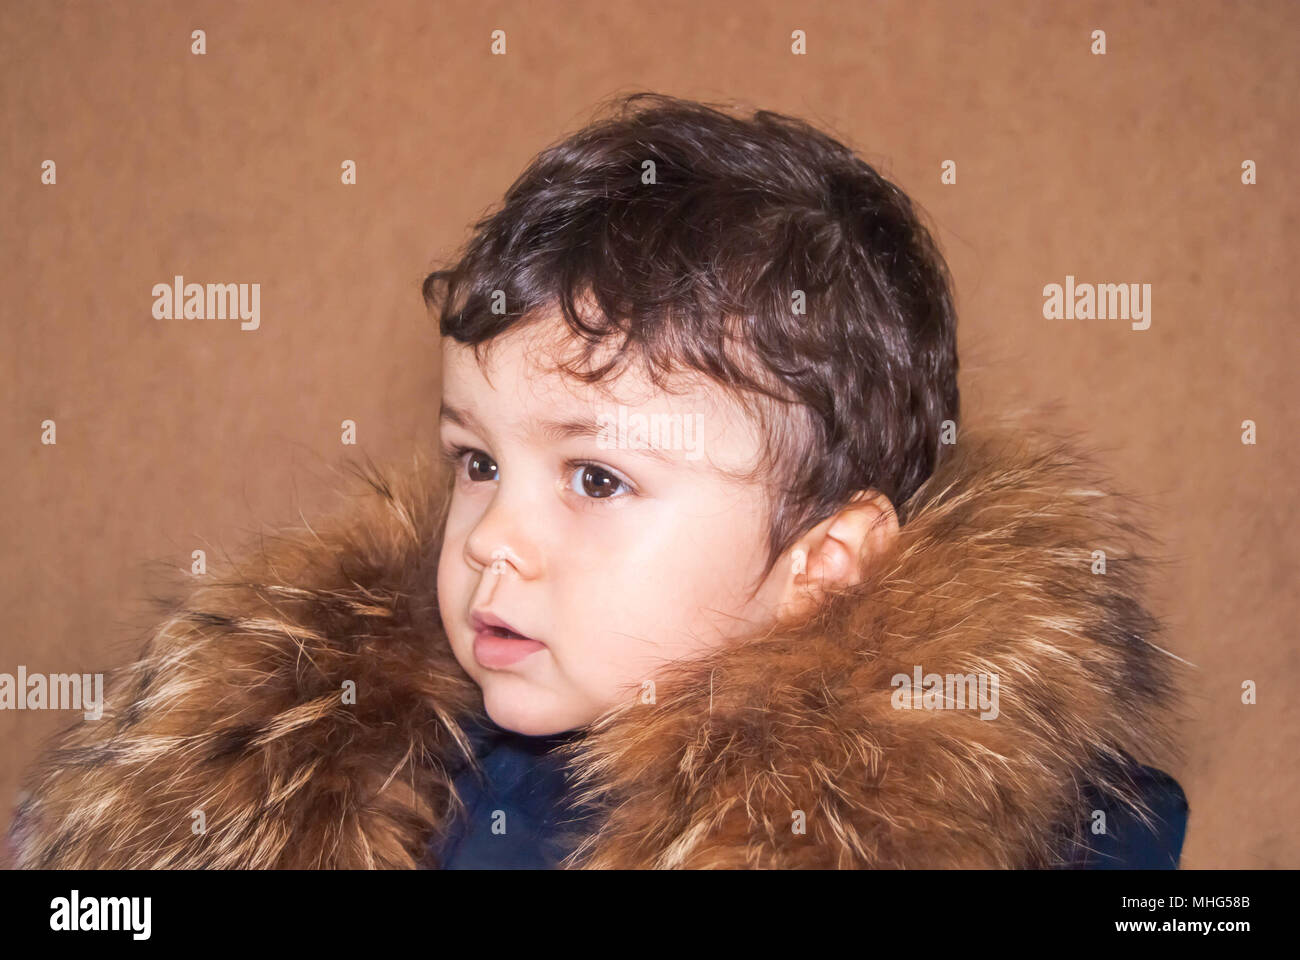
(532, 718)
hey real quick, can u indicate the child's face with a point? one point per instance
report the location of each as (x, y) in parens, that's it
(612, 560)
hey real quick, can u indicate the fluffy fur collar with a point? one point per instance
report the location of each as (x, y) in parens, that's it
(233, 707)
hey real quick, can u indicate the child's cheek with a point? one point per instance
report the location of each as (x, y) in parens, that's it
(453, 588)
(444, 583)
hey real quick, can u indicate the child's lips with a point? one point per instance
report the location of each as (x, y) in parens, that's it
(497, 644)
(495, 649)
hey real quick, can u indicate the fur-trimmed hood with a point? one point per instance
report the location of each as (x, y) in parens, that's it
(234, 707)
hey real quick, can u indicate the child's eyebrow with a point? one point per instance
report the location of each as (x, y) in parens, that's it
(462, 418)
(585, 428)
(552, 430)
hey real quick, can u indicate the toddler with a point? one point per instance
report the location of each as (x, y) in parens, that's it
(705, 575)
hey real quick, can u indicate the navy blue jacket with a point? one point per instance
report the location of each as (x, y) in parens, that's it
(525, 784)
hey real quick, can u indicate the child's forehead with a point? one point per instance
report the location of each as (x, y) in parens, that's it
(542, 365)
(516, 392)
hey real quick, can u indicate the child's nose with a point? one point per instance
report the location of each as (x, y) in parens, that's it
(497, 547)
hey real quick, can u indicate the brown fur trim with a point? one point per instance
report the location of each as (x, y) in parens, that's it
(234, 706)
(235, 709)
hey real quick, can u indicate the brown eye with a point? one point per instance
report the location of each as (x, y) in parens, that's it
(595, 482)
(481, 467)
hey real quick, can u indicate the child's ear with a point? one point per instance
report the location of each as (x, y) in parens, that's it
(838, 551)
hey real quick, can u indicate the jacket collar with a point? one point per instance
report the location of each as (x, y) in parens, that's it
(229, 741)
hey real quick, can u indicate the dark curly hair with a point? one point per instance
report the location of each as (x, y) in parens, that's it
(698, 271)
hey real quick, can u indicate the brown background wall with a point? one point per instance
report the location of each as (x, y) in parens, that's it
(225, 168)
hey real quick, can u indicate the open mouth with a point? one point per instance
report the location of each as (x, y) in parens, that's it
(498, 645)
(496, 649)
(505, 632)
